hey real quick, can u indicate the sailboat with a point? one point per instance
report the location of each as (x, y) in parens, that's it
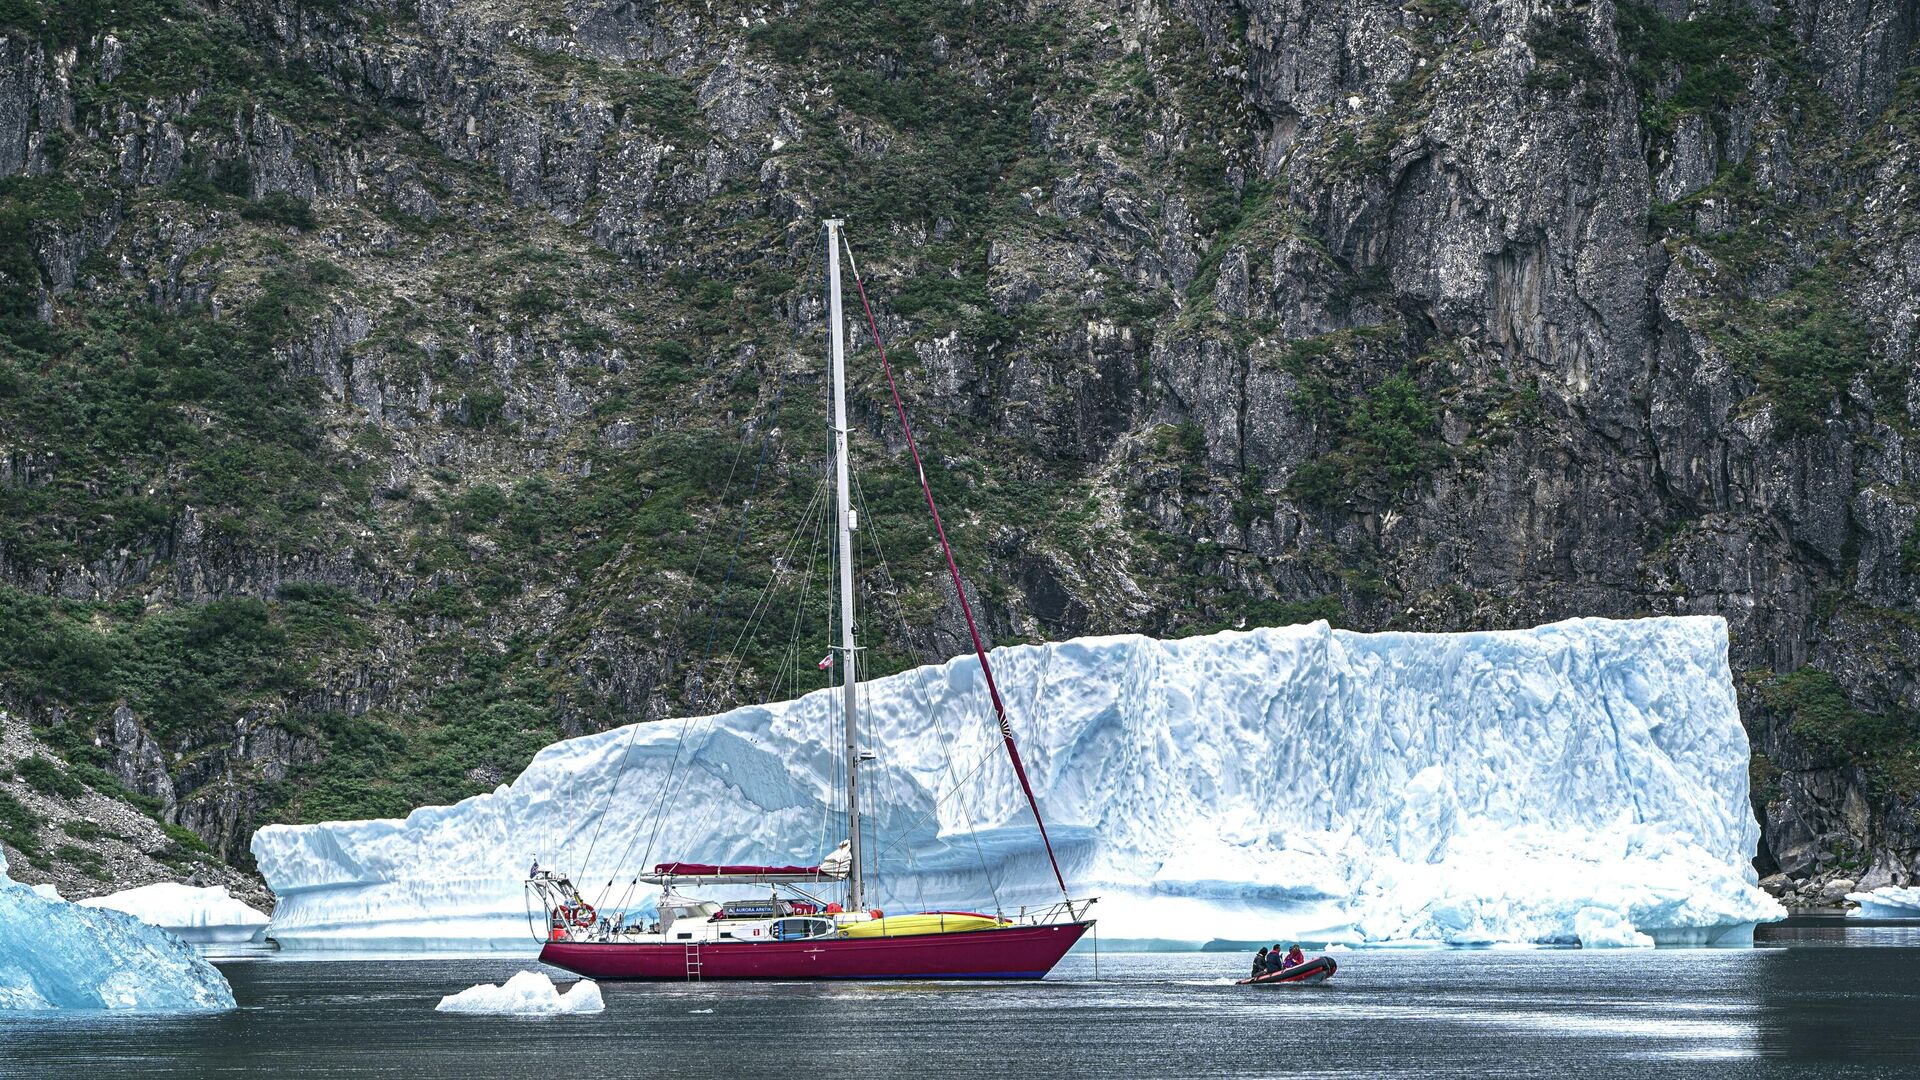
(813, 922)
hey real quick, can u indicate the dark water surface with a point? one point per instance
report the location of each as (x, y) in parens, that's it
(1810, 1002)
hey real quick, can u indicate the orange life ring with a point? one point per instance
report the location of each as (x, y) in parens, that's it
(584, 915)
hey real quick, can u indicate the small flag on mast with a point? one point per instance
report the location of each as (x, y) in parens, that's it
(826, 662)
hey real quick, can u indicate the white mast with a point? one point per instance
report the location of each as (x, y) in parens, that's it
(849, 674)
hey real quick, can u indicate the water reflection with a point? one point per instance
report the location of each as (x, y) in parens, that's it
(1811, 1001)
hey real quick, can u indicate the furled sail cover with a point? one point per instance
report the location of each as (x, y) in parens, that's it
(694, 869)
(838, 863)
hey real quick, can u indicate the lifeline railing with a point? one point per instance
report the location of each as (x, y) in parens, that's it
(1060, 911)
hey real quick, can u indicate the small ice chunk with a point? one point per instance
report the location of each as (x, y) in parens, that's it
(196, 915)
(1603, 928)
(528, 993)
(48, 890)
(1888, 902)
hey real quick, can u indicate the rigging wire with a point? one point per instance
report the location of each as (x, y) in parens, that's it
(918, 685)
(568, 846)
(750, 631)
(794, 661)
(680, 620)
(679, 624)
(928, 813)
(953, 569)
(791, 669)
(762, 605)
(677, 777)
(746, 509)
(810, 525)
(740, 535)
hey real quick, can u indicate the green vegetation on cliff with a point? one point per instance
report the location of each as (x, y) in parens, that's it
(1820, 715)
(384, 394)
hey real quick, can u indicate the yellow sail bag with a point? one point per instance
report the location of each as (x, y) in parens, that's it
(932, 922)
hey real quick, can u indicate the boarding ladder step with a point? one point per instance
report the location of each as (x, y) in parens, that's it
(694, 963)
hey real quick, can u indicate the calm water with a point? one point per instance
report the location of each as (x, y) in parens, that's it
(1810, 1003)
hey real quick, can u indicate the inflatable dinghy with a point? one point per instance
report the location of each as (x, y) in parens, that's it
(1317, 970)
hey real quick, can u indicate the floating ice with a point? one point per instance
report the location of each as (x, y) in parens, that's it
(1604, 928)
(528, 993)
(197, 915)
(1888, 902)
(1298, 782)
(56, 955)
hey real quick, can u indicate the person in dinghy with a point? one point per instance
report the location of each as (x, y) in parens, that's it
(1271, 967)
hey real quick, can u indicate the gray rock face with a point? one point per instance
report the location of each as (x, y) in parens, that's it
(139, 762)
(19, 71)
(1431, 316)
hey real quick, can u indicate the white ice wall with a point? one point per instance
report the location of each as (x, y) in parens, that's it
(1293, 782)
(199, 915)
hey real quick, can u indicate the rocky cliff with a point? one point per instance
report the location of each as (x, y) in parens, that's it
(389, 389)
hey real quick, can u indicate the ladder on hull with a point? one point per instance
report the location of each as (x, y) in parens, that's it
(695, 966)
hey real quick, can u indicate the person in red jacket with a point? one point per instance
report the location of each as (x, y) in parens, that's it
(1294, 958)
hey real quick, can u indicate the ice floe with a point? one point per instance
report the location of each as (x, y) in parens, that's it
(528, 993)
(1888, 902)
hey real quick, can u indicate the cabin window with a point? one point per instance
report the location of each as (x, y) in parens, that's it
(800, 929)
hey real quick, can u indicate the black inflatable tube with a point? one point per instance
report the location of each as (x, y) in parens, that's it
(1318, 969)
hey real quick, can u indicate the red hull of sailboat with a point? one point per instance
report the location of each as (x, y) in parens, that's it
(1021, 952)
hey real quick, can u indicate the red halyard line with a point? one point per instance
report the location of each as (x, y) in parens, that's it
(953, 569)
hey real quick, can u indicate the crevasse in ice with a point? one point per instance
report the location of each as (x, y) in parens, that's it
(199, 915)
(57, 955)
(1582, 779)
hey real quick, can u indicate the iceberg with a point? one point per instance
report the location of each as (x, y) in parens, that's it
(57, 955)
(201, 916)
(1888, 902)
(528, 993)
(1581, 781)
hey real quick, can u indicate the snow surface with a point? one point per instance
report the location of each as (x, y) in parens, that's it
(528, 993)
(1587, 778)
(56, 955)
(197, 915)
(1888, 902)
